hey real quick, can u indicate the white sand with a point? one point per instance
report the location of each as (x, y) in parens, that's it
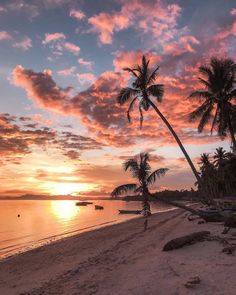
(121, 259)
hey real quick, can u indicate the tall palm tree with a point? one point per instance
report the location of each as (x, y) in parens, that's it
(217, 95)
(143, 90)
(141, 170)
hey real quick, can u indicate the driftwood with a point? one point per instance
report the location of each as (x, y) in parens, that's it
(230, 221)
(185, 240)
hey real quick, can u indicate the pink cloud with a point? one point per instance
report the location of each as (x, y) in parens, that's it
(53, 37)
(130, 58)
(97, 109)
(85, 63)
(76, 13)
(106, 24)
(184, 44)
(72, 48)
(41, 85)
(226, 33)
(233, 11)
(2, 9)
(67, 72)
(5, 36)
(24, 44)
(86, 78)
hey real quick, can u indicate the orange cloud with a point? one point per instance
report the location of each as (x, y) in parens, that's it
(106, 24)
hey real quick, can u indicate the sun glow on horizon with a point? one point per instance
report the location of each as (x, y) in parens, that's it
(66, 188)
(64, 209)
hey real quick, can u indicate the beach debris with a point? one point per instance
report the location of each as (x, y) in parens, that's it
(186, 240)
(192, 282)
(229, 249)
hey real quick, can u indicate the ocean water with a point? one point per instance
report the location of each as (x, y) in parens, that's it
(41, 222)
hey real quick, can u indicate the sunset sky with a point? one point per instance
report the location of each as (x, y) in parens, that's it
(62, 131)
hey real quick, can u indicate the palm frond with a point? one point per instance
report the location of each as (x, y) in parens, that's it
(199, 111)
(153, 76)
(133, 166)
(156, 174)
(131, 108)
(125, 95)
(132, 71)
(157, 91)
(122, 189)
(205, 118)
(201, 94)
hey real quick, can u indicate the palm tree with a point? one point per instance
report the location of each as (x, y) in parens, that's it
(143, 90)
(218, 92)
(220, 158)
(208, 178)
(141, 171)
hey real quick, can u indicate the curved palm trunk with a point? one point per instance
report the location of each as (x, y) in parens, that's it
(232, 135)
(177, 140)
(175, 204)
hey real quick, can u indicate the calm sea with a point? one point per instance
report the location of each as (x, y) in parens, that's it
(41, 222)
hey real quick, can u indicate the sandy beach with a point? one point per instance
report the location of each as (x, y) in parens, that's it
(122, 259)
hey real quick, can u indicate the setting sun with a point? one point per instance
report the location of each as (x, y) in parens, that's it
(64, 209)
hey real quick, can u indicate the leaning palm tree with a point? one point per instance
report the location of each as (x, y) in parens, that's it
(144, 89)
(141, 171)
(217, 96)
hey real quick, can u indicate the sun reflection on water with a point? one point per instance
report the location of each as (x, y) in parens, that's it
(64, 209)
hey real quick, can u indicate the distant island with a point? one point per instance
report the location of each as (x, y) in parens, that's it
(168, 194)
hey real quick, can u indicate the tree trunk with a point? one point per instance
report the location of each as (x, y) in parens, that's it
(177, 140)
(231, 131)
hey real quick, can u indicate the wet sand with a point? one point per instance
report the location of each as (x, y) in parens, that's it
(122, 259)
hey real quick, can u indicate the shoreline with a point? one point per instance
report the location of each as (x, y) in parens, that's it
(55, 238)
(122, 259)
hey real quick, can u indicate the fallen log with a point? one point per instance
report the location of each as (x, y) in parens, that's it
(185, 240)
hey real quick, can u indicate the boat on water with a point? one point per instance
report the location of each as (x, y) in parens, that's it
(83, 203)
(130, 211)
(98, 207)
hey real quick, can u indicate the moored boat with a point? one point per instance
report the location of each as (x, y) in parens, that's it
(98, 207)
(82, 203)
(130, 211)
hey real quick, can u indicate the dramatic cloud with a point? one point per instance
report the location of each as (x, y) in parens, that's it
(41, 87)
(19, 135)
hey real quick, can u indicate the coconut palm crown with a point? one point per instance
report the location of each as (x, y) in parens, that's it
(141, 170)
(217, 96)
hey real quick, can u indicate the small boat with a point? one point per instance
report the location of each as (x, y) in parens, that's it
(82, 203)
(130, 211)
(98, 207)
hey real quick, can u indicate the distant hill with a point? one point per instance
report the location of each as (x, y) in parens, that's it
(56, 197)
